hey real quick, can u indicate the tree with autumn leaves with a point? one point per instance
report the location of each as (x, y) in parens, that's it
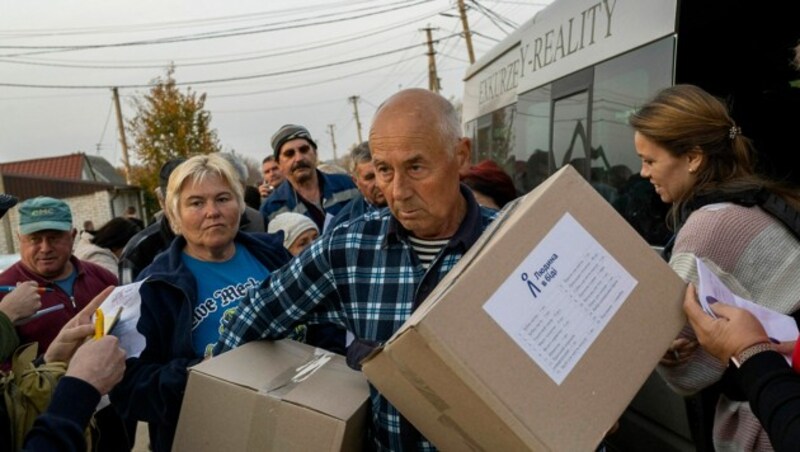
(168, 123)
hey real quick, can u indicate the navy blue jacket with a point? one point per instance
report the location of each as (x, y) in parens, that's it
(154, 383)
(337, 190)
(62, 426)
(355, 208)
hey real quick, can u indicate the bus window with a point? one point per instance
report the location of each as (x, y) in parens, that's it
(502, 137)
(483, 140)
(494, 139)
(620, 86)
(532, 137)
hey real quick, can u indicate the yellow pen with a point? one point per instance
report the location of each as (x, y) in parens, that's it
(99, 324)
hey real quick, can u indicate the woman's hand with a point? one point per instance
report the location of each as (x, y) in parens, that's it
(732, 331)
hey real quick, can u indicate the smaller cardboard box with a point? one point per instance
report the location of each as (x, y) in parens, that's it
(541, 335)
(273, 396)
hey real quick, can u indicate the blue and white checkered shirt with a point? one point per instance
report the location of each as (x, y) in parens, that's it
(364, 276)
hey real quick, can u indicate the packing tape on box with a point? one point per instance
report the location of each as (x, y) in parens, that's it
(438, 403)
(287, 380)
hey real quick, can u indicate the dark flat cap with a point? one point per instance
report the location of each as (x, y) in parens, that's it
(289, 132)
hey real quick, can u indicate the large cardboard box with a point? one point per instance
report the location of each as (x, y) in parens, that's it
(273, 396)
(543, 333)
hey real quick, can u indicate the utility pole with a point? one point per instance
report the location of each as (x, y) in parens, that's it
(462, 10)
(354, 100)
(122, 141)
(433, 78)
(333, 142)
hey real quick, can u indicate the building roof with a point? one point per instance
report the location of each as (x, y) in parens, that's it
(104, 171)
(25, 186)
(72, 167)
(68, 167)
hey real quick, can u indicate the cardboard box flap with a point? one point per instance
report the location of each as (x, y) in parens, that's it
(254, 367)
(269, 396)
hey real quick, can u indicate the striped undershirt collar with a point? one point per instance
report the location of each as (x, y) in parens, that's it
(427, 250)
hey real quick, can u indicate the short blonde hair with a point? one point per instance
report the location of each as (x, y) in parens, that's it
(195, 169)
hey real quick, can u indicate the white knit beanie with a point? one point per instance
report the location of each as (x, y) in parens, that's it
(292, 224)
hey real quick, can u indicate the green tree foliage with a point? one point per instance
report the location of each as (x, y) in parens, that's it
(168, 123)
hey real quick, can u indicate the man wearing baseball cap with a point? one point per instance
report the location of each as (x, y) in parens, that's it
(310, 192)
(46, 236)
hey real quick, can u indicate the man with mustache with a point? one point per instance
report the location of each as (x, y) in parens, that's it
(309, 191)
(369, 276)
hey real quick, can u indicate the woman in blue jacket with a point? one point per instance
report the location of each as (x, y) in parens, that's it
(191, 289)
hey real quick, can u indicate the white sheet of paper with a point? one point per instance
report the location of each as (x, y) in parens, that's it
(559, 299)
(128, 297)
(778, 326)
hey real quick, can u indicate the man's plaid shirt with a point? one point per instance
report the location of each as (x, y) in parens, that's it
(362, 275)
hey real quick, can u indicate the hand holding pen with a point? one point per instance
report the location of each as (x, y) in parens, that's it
(21, 301)
(75, 332)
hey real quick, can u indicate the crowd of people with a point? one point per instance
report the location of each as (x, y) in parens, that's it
(341, 261)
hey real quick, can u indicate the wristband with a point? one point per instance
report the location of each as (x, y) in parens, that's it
(751, 351)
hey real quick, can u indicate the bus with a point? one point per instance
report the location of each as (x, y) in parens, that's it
(559, 90)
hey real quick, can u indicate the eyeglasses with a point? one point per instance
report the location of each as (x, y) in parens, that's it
(289, 153)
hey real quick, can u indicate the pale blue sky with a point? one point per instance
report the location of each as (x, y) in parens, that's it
(38, 122)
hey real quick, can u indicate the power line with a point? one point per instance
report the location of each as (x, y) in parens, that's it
(228, 79)
(319, 82)
(114, 29)
(288, 51)
(198, 36)
(490, 16)
(485, 36)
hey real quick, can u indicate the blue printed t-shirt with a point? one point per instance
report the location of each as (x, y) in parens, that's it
(220, 286)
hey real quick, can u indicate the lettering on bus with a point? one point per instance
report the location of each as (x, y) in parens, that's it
(580, 31)
(500, 82)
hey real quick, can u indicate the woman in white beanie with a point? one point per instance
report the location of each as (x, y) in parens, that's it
(298, 231)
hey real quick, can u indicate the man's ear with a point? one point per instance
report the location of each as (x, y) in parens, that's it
(464, 154)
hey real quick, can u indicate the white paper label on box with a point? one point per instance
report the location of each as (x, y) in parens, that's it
(560, 297)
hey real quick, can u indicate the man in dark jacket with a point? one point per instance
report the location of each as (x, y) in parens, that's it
(363, 172)
(307, 190)
(143, 247)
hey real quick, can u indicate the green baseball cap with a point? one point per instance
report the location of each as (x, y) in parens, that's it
(43, 213)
